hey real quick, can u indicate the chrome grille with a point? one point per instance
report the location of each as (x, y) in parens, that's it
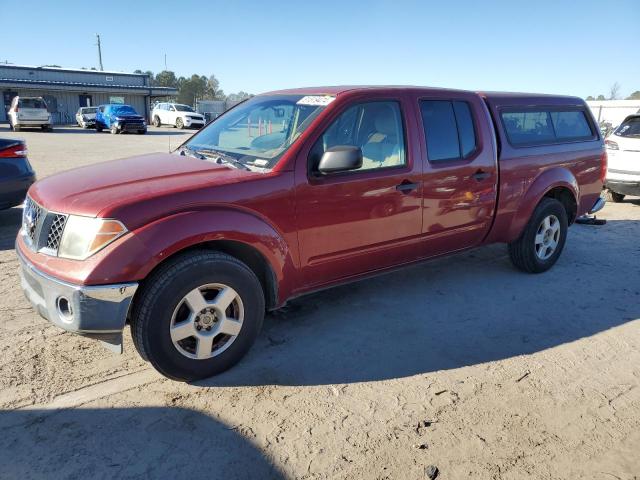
(55, 231)
(42, 230)
(31, 218)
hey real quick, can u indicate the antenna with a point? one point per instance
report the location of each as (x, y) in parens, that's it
(99, 52)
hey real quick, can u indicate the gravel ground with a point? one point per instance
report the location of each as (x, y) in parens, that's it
(462, 363)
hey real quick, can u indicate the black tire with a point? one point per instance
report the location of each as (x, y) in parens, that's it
(163, 291)
(179, 123)
(614, 197)
(523, 251)
(142, 132)
(16, 128)
(114, 130)
(156, 121)
(98, 128)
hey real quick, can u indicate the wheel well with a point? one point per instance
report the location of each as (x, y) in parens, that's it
(249, 256)
(566, 198)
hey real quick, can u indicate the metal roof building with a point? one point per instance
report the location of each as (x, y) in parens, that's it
(65, 90)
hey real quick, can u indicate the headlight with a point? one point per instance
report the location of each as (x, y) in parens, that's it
(84, 236)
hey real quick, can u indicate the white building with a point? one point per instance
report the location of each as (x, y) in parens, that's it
(613, 111)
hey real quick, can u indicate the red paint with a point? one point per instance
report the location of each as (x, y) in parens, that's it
(318, 232)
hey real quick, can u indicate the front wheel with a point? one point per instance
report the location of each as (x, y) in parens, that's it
(543, 239)
(197, 315)
(179, 123)
(156, 121)
(98, 128)
(114, 130)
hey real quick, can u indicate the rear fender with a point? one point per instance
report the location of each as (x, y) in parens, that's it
(545, 182)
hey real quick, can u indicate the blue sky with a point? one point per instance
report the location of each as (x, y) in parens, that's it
(566, 47)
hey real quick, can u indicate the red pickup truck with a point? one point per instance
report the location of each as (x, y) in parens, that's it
(295, 191)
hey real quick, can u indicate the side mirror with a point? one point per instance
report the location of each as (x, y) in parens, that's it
(340, 158)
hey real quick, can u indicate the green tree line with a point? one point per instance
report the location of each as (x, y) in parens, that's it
(195, 87)
(614, 94)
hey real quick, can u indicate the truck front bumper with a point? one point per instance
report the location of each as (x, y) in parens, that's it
(98, 312)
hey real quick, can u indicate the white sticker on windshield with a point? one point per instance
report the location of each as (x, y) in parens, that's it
(259, 162)
(316, 100)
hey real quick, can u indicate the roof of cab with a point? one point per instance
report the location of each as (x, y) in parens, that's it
(339, 89)
(499, 98)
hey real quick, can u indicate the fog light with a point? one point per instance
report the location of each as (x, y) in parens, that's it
(64, 309)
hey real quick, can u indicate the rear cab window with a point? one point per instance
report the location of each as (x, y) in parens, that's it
(449, 129)
(531, 126)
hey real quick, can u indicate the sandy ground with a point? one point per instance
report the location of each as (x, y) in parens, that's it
(463, 363)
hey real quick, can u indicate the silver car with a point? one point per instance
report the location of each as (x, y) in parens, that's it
(29, 112)
(86, 117)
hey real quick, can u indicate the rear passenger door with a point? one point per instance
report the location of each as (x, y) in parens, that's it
(460, 171)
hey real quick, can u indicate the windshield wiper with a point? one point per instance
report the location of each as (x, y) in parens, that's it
(192, 152)
(221, 157)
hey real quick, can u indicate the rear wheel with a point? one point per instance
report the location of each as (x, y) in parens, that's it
(543, 239)
(614, 197)
(198, 315)
(179, 123)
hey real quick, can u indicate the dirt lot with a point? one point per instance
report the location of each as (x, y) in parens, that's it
(463, 363)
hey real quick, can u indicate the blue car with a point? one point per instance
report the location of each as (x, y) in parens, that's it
(16, 174)
(119, 118)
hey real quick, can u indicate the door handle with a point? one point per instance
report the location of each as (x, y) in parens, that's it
(481, 175)
(406, 186)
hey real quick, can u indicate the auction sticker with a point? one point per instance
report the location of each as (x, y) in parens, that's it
(316, 100)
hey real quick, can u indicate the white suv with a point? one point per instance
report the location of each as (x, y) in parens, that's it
(29, 112)
(623, 150)
(176, 114)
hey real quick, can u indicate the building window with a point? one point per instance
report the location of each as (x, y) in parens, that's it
(109, 79)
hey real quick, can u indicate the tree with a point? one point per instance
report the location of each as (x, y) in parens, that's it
(192, 89)
(600, 97)
(166, 78)
(590, 98)
(614, 91)
(238, 97)
(214, 92)
(634, 96)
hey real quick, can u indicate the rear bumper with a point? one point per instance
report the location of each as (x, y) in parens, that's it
(94, 311)
(624, 187)
(33, 123)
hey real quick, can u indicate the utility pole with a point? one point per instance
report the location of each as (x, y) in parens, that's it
(99, 52)
(165, 62)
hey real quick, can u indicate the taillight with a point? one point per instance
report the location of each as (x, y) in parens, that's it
(603, 167)
(611, 145)
(14, 151)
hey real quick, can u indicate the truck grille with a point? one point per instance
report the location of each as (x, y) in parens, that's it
(42, 230)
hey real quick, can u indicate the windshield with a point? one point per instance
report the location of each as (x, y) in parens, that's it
(259, 131)
(630, 128)
(123, 110)
(89, 110)
(184, 108)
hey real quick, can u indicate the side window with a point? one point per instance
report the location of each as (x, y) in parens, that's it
(570, 125)
(448, 128)
(538, 127)
(375, 127)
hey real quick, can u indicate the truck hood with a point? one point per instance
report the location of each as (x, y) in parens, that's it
(111, 188)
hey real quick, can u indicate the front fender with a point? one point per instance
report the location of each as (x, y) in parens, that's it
(138, 253)
(543, 183)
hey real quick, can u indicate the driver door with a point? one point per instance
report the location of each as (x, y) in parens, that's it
(350, 223)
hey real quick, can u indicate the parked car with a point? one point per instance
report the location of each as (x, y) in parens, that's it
(29, 112)
(16, 174)
(86, 117)
(176, 114)
(623, 148)
(295, 191)
(119, 118)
